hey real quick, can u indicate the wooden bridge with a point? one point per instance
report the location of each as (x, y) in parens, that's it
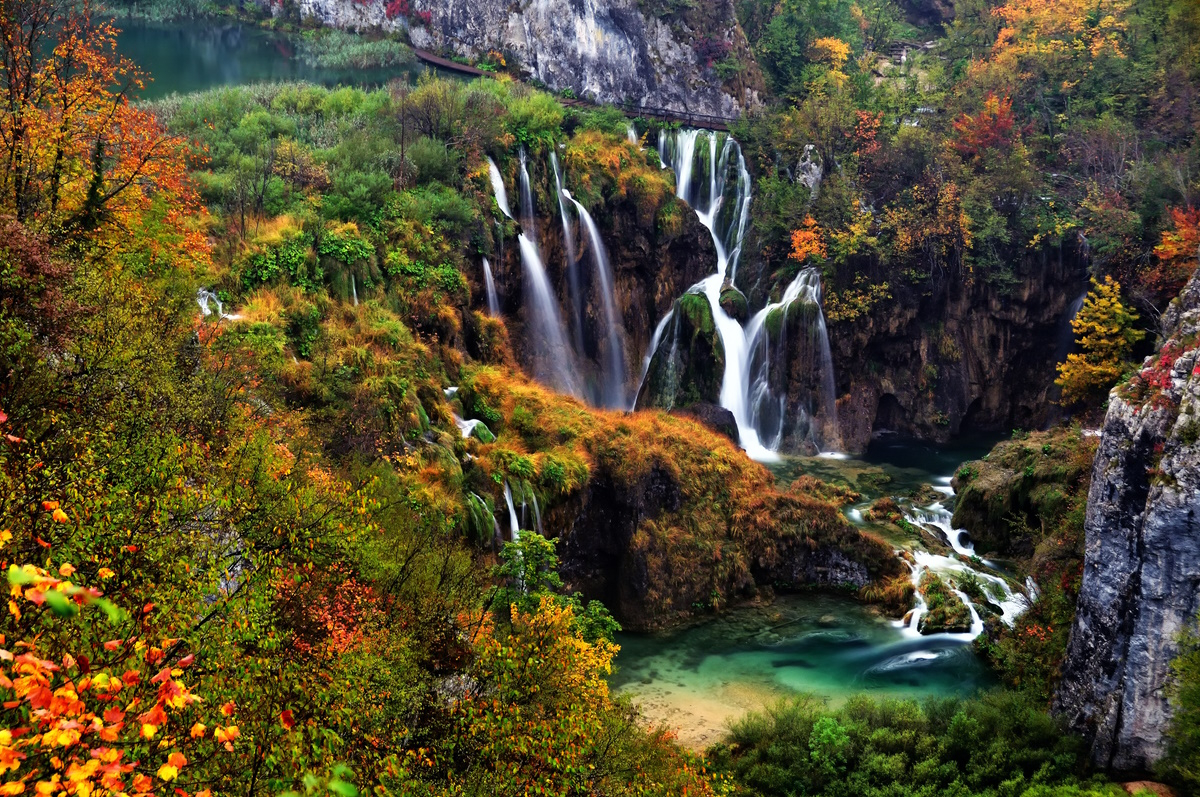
(668, 115)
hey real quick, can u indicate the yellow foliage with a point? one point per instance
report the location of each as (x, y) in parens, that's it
(830, 50)
(1106, 336)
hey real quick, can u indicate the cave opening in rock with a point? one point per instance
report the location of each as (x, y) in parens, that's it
(889, 415)
(970, 419)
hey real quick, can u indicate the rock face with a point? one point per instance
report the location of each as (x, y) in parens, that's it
(605, 50)
(613, 550)
(1141, 579)
(986, 364)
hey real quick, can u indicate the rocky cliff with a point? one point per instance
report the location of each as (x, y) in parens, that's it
(609, 51)
(939, 360)
(1141, 579)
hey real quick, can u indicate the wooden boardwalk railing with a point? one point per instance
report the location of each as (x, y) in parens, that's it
(705, 121)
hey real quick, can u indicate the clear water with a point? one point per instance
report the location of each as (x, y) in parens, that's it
(700, 679)
(197, 55)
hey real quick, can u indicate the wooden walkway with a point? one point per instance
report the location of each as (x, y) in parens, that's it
(631, 111)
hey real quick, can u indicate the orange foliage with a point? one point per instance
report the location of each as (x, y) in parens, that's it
(77, 726)
(76, 156)
(1177, 255)
(989, 130)
(807, 242)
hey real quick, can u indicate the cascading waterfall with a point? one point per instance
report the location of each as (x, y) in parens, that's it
(205, 298)
(613, 375)
(768, 404)
(631, 134)
(727, 223)
(489, 282)
(498, 189)
(572, 255)
(554, 362)
(354, 290)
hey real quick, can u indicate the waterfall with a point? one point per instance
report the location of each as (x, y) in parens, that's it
(537, 512)
(554, 360)
(354, 290)
(513, 524)
(767, 406)
(466, 427)
(613, 370)
(723, 207)
(498, 188)
(631, 133)
(205, 297)
(492, 299)
(655, 340)
(572, 255)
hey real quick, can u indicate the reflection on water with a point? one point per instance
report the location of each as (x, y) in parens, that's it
(202, 54)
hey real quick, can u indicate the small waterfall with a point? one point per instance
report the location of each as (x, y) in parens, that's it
(205, 298)
(354, 290)
(466, 427)
(553, 356)
(514, 525)
(526, 198)
(492, 299)
(572, 255)
(655, 340)
(631, 134)
(1066, 333)
(613, 375)
(498, 188)
(537, 512)
(768, 405)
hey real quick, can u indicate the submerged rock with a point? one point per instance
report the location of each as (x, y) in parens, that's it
(1141, 576)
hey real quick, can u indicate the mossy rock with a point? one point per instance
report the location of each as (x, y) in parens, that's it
(1021, 487)
(689, 363)
(735, 305)
(947, 612)
(482, 433)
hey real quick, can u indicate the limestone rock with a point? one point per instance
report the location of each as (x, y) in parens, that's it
(1141, 578)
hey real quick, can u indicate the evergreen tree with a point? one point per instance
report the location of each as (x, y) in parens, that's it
(1105, 332)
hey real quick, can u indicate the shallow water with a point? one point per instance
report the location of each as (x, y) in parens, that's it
(196, 55)
(700, 679)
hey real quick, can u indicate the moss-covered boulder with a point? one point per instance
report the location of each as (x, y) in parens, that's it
(734, 303)
(689, 363)
(1023, 487)
(947, 612)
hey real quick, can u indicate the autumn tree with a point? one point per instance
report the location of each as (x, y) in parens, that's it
(1177, 256)
(74, 152)
(1105, 333)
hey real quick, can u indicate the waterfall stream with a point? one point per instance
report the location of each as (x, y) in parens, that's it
(746, 390)
(489, 282)
(498, 188)
(613, 362)
(572, 255)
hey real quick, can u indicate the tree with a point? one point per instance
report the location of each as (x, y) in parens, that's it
(74, 152)
(1177, 256)
(1184, 734)
(1105, 332)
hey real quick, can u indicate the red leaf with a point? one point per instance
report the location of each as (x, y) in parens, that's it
(287, 719)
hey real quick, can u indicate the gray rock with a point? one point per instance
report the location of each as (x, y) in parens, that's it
(1141, 579)
(604, 50)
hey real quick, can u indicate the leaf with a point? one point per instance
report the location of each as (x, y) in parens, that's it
(19, 576)
(60, 604)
